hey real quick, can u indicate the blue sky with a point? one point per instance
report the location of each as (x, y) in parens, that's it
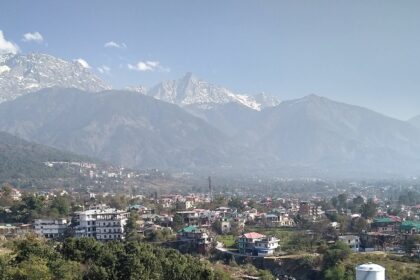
(360, 52)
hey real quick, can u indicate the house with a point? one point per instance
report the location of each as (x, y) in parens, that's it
(195, 237)
(410, 227)
(225, 225)
(140, 209)
(386, 224)
(266, 246)
(352, 241)
(51, 228)
(189, 217)
(14, 230)
(254, 243)
(15, 194)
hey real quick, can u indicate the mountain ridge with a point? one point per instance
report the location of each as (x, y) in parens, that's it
(25, 73)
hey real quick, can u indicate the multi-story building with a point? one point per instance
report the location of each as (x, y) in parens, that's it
(198, 238)
(266, 246)
(101, 222)
(386, 224)
(254, 243)
(51, 228)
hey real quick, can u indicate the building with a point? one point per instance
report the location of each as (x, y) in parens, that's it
(225, 225)
(189, 217)
(266, 246)
(51, 228)
(101, 222)
(197, 238)
(15, 194)
(410, 227)
(254, 243)
(386, 224)
(14, 230)
(352, 241)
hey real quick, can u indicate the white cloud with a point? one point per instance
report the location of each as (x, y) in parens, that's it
(82, 62)
(148, 66)
(7, 46)
(112, 44)
(104, 69)
(33, 37)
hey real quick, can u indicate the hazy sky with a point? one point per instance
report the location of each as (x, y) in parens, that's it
(360, 52)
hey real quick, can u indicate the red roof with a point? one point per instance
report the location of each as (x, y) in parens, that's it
(253, 235)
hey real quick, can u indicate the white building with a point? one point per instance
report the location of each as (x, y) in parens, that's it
(102, 223)
(352, 241)
(50, 228)
(266, 246)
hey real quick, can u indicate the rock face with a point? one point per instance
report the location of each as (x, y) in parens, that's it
(24, 73)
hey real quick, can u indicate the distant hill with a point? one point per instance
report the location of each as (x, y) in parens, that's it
(117, 126)
(23, 159)
(327, 136)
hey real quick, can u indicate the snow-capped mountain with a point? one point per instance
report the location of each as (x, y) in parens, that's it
(265, 100)
(139, 89)
(191, 90)
(24, 73)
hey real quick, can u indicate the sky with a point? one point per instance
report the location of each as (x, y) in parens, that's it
(360, 52)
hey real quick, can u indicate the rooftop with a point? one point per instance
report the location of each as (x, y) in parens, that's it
(253, 235)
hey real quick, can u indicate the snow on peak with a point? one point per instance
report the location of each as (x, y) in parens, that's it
(138, 89)
(24, 73)
(191, 90)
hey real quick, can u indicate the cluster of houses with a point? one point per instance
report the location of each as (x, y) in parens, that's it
(198, 226)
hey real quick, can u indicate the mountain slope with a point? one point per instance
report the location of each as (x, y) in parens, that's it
(317, 133)
(190, 90)
(230, 118)
(22, 159)
(415, 121)
(24, 73)
(117, 126)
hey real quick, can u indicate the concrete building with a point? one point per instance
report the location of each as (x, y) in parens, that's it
(352, 241)
(266, 246)
(101, 222)
(51, 228)
(198, 238)
(254, 243)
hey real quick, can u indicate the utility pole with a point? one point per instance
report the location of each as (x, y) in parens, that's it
(210, 190)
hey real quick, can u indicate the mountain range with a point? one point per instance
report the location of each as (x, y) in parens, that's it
(191, 124)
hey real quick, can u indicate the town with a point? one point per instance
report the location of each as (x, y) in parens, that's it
(270, 232)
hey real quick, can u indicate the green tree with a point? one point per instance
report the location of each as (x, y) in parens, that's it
(177, 222)
(336, 253)
(368, 209)
(131, 228)
(34, 268)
